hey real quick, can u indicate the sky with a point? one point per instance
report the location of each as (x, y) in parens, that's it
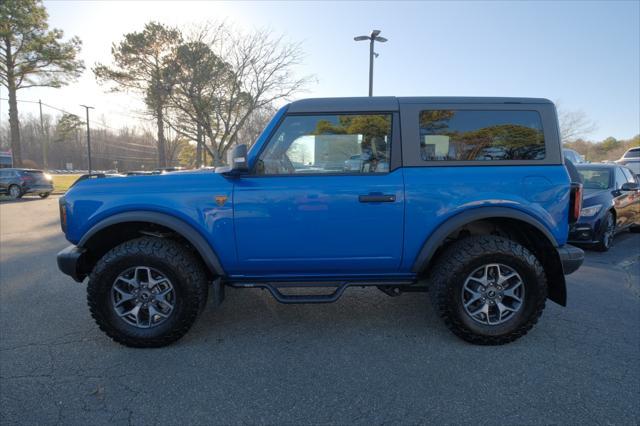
(583, 55)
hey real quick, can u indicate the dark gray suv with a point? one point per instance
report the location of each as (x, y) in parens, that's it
(17, 182)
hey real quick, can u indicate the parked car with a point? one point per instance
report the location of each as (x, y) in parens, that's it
(18, 182)
(611, 204)
(353, 164)
(573, 156)
(141, 173)
(169, 169)
(487, 235)
(631, 159)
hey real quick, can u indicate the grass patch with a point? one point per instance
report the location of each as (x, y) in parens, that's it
(62, 182)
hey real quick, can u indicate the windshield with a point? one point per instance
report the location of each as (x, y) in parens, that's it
(595, 178)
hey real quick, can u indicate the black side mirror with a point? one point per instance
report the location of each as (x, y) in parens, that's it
(238, 164)
(629, 186)
(239, 159)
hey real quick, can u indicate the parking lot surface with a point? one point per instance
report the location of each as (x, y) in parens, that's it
(368, 358)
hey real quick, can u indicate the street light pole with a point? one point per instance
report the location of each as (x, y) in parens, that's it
(375, 36)
(371, 66)
(44, 139)
(87, 108)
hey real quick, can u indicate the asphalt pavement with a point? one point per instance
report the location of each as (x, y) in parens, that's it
(367, 359)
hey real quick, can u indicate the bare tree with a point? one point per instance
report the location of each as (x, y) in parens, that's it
(574, 124)
(255, 124)
(225, 76)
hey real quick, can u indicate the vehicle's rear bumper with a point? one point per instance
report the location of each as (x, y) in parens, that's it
(70, 262)
(571, 258)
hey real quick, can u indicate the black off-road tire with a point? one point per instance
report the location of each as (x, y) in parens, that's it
(177, 262)
(461, 259)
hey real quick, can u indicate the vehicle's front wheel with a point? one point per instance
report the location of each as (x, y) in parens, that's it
(608, 231)
(147, 292)
(488, 290)
(15, 192)
(44, 194)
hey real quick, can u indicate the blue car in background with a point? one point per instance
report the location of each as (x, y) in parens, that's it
(611, 204)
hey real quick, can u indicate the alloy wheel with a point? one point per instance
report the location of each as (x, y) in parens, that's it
(493, 293)
(607, 236)
(14, 192)
(143, 297)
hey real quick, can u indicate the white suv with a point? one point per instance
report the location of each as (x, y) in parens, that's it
(631, 159)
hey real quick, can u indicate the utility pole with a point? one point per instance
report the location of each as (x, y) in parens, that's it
(375, 36)
(45, 138)
(87, 108)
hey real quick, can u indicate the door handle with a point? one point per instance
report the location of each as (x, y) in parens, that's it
(377, 198)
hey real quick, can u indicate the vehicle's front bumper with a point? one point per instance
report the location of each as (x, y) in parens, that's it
(571, 258)
(70, 262)
(585, 233)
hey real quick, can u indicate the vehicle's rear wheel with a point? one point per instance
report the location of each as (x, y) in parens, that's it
(15, 192)
(608, 231)
(147, 292)
(44, 194)
(488, 290)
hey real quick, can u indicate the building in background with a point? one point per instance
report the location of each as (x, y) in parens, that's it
(6, 159)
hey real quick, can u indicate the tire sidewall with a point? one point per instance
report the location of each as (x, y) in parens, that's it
(533, 294)
(104, 304)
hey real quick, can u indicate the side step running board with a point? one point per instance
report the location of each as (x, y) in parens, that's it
(304, 298)
(340, 287)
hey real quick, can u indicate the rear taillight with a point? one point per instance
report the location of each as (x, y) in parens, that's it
(575, 202)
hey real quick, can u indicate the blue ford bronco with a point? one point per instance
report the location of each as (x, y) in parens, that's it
(468, 198)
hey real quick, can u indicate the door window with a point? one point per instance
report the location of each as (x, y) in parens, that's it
(620, 177)
(629, 175)
(328, 144)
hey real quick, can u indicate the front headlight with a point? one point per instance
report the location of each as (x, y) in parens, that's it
(47, 176)
(590, 211)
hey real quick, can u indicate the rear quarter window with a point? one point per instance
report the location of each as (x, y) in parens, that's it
(482, 135)
(633, 153)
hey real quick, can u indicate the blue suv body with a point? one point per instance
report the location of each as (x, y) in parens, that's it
(466, 197)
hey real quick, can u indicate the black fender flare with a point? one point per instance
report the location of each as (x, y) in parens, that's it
(179, 226)
(557, 284)
(445, 229)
